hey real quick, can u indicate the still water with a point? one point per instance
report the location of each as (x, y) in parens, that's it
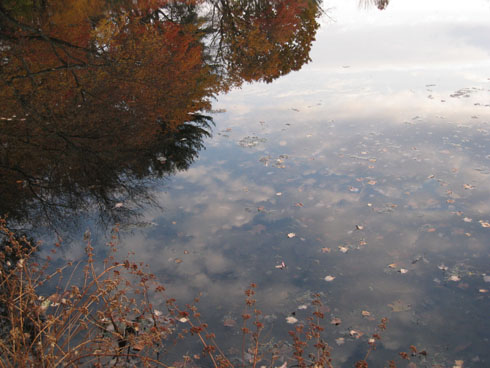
(364, 177)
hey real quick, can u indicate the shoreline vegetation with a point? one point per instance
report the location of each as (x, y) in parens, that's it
(105, 315)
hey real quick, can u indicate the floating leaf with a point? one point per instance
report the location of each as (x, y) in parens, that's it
(291, 320)
(484, 223)
(291, 235)
(229, 322)
(393, 265)
(455, 278)
(340, 341)
(467, 219)
(336, 321)
(403, 270)
(326, 250)
(458, 364)
(329, 278)
(303, 306)
(359, 227)
(356, 334)
(442, 267)
(486, 278)
(178, 260)
(343, 249)
(365, 313)
(281, 266)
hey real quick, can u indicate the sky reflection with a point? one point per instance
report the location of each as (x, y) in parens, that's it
(388, 129)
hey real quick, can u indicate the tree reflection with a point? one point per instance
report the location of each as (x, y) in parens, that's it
(100, 97)
(380, 4)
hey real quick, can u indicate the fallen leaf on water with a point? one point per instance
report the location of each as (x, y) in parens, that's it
(355, 333)
(326, 250)
(486, 278)
(442, 267)
(454, 278)
(468, 186)
(302, 306)
(178, 260)
(431, 230)
(362, 242)
(291, 320)
(450, 201)
(458, 364)
(299, 204)
(281, 266)
(467, 219)
(329, 278)
(399, 306)
(336, 321)
(229, 322)
(483, 291)
(403, 270)
(365, 313)
(340, 341)
(484, 223)
(371, 182)
(393, 265)
(343, 249)
(359, 227)
(352, 189)
(291, 235)
(278, 194)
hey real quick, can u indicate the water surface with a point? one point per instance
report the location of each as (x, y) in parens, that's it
(369, 165)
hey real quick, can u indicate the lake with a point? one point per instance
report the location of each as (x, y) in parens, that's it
(363, 176)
